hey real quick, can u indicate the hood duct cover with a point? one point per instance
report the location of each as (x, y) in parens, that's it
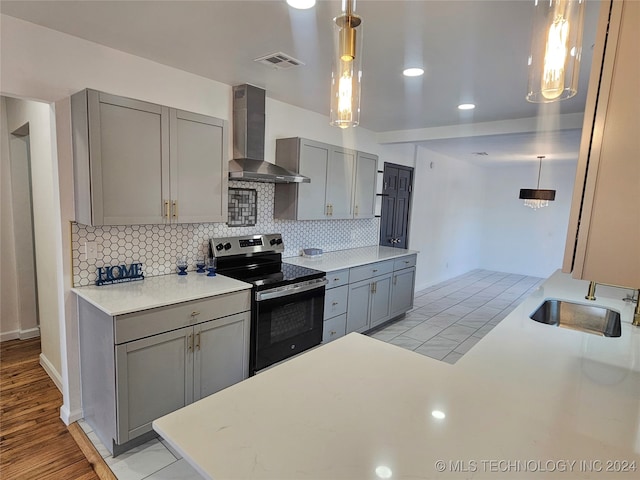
(248, 162)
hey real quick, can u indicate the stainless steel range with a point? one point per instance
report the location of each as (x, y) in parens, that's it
(287, 300)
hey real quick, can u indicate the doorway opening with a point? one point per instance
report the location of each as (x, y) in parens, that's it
(397, 185)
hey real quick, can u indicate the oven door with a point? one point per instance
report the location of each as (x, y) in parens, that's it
(287, 321)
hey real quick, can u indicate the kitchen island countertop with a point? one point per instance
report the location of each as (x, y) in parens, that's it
(353, 257)
(157, 291)
(528, 401)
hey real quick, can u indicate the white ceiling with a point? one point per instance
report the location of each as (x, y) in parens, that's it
(473, 51)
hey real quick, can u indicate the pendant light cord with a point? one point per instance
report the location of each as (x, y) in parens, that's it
(539, 171)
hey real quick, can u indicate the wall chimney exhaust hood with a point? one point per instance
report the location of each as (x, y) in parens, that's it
(248, 162)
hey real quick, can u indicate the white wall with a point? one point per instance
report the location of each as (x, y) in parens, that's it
(46, 214)
(9, 321)
(19, 302)
(43, 64)
(518, 239)
(445, 217)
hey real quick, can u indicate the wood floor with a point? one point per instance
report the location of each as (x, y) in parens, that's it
(34, 442)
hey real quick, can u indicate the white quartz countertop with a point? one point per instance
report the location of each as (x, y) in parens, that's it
(528, 401)
(158, 291)
(354, 257)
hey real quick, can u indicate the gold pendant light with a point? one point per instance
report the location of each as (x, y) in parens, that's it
(346, 73)
(556, 49)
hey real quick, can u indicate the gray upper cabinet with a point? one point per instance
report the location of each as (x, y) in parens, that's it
(339, 193)
(335, 184)
(140, 163)
(198, 168)
(365, 185)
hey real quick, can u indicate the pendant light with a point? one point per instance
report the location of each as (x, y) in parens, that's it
(536, 198)
(556, 49)
(346, 73)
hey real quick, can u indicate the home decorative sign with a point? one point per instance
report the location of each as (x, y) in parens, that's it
(119, 274)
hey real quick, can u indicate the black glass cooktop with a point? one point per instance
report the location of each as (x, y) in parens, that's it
(264, 272)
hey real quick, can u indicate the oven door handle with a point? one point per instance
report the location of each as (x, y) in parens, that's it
(290, 289)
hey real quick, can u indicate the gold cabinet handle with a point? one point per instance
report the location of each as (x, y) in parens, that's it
(166, 209)
(375, 270)
(395, 279)
(197, 341)
(328, 210)
(195, 313)
(336, 279)
(190, 342)
(175, 208)
(356, 212)
(332, 332)
(334, 303)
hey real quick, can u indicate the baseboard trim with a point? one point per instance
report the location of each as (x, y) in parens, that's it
(20, 334)
(6, 336)
(52, 372)
(29, 333)
(69, 417)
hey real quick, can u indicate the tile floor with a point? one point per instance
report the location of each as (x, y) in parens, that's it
(447, 320)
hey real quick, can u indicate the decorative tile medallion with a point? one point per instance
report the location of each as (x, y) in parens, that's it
(243, 207)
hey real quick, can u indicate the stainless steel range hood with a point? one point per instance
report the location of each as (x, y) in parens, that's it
(248, 162)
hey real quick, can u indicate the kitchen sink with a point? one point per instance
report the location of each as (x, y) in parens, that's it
(585, 318)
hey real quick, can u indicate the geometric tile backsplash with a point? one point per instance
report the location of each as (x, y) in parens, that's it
(158, 246)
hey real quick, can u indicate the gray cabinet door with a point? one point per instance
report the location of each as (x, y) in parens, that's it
(129, 152)
(365, 185)
(314, 163)
(339, 193)
(358, 306)
(154, 378)
(220, 354)
(402, 291)
(198, 168)
(380, 300)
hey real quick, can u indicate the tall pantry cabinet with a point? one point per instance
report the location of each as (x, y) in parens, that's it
(604, 227)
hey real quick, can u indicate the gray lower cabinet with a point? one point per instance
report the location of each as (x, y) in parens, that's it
(140, 366)
(335, 305)
(379, 292)
(368, 303)
(402, 290)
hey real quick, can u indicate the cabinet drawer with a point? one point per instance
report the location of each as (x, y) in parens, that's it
(133, 326)
(337, 278)
(371, 270)
(404, 262)
(334, 328)
(335, 301)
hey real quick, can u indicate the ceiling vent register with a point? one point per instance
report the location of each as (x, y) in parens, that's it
(279, 60)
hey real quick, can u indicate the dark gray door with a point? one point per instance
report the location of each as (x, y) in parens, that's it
(396, 200)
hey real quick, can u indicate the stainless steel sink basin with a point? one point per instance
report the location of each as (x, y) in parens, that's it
(586, 318)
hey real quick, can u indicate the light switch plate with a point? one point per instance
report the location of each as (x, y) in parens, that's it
(90, 250)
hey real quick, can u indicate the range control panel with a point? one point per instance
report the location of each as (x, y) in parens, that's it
(227, 246)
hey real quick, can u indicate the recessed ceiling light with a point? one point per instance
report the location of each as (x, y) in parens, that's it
(466, 106)
(301, 4)
(413, 72)
(438, 414)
